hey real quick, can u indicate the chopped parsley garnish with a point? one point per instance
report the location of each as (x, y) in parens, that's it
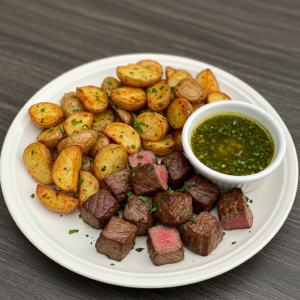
(223, 233)
(32, 195)
(144, 199)
(139, 156)
(51, 129)
(203, 197)
(74, 123)
(82, 162)
(162, 87)
(73, 96)
(79, 216)
(139, 129)
(172, 89)
(129, 193)
(103, 169)
(180, 190)
(189, 212)
(179, 83)
(192, 221)
(59, 179)
(153, 207)
(141, 220)
(139, 249)
(76, 110)
(247, 199)
(118, 92)
(133, 174)
(116, 107)
(154, 90)
(112, 264)
(168, 164)
(180, 215)
(194, 184)
(43, 109)
(32, 152)
(37, 164)
(87, 126)
(42, 120)
(233, 243)
(164, 198)
(132, 146)
(170, 191)
(80, 182)
(74, 196)
(100, 135)
(251, 201)
(73, 231)
(62, 130)
(108, 82)
(149, 169)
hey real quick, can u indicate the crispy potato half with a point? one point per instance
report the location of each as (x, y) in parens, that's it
(102, 141)
(103, 119)
(38, 161)
(55, 200)
(88, 185)
(138, 76)
(65, 172)
(158, 96)
(87, 164)
(110, 83)
(178, 112)
(111, 159)
(174, 79)
(71, 104)
(151, 65)
(160, 148)
(78, 122)
(163, 121)
(51, 137)
(54, 155)
(177, 137)
(198, 105)
(216, 96)
(125, 116)
(190, 90)
(207, 79)
(169, 72)
(45, 114)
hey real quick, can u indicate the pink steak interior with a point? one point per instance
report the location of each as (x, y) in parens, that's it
(162, 174)
(164, 239)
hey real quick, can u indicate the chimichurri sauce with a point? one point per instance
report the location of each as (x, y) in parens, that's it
(233, 145)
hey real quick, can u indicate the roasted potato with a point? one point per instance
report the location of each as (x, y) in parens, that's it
(111, 159)
(137, 76)
(151, 65)
(163, 81)
(103, 119)
(78, 122)
(45, 114)
(163, 121)
(38, 161)
(198, 105)
(88, 185)
(125, 116)
(190, 90)
(85, 140)
(176, 77)
(65, 171)
(102, 141)
(54, 155)
(70, 104)
(169, 72)
(178, 112)
(177, 137)
(87, 164)
(110, 83)
(51, 137)
(158, 96)
(55, 200)
(216, 96)
(160, 148)
(207, 79)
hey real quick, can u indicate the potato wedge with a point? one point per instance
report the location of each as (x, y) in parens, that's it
(190, 90)
(207, 79)
(89, 185)
(111, 159)
(169, 72)
(54, 155)
(78, 122)
(137, 76)
(71, 104)
(94, 99)
(85, 140)
(151, 65)
(125, 116)
(198, 105)
(65, 172)
(110, 83)
(174, 79)
(55, 200)
(216, 96)
(160, 148)
(158, 96)
(45, 114)
(128, 98)
(102, 141)
(178, 112)
(125, 136)
(51, 137)
(38, 161)
(163, 121)
(177, 137)
(87, 164)
(103, 119)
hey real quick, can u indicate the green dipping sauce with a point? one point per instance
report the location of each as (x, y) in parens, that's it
(233, 144)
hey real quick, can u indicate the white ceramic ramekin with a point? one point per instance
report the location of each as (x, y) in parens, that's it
(227, 182)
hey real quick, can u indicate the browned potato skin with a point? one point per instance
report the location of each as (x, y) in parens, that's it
(216, 96)
(110, 83)
(169, 72)
(177, 137)
(102, 141)
(51, 139)
(87, 121)
(89, 186)
(70, 104)
(160, 148)
(151, 65)
(124, 115)
(198, 105)
(87, 164)
(54, 155)
(160, 98)
(175, 78)
(207, 79)
(50, 117)
(190, 90)
(103, 119)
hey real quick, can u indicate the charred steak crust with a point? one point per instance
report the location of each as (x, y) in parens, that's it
(118, 185)
(136, 212)
(98, 209)
(116, 239)
(142, 157)
(233, 210)
(173, 209)
(204, 193)
(179, 167)
(204, 235)
(164, 245)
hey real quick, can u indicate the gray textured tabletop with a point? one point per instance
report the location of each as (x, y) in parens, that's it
(257, 41)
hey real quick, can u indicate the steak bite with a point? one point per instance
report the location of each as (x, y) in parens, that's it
(233, 210)
(116, 239)
(173, 209)
(136, 212)
(118, 185)
(142, 158)
(204, 193)
(203, 234)
(98, 209)
(148, 179)
(179, 167)
(164, 245)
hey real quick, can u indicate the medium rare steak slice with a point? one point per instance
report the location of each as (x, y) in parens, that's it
(142, 158)
(173, 209)
(164, 245)
(179, 167)
(116, 239)
(118, 185)
(233, 210)
(204, 193)
(136, 212)
(98, 209)
(203, 234)
(148, 179)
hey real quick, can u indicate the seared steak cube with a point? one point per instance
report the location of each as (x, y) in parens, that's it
(173, 209)
(141, 158)
(118, 185)
(233, 210)
(164, 245)
(136, 211)
(148, 179)
(178, 167)
(203, 234)
(204, 193)
(116, 239)
(98, 209)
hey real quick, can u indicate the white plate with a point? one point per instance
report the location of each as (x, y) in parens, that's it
(272, 200)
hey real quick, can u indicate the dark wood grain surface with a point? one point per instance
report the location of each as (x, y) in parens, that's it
(258, 41)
